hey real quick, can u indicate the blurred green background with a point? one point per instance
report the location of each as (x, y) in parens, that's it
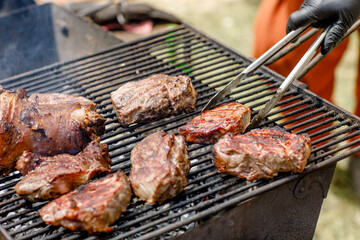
(231, 22)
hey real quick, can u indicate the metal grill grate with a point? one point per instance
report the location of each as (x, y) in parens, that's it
(181, 50)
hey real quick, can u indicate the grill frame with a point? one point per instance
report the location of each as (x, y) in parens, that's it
(116, 137)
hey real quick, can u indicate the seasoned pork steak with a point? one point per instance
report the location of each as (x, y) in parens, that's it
(159, 165)
(261, 153)
(210, 126)
(91, 207)
(153, 98)
(49, 177)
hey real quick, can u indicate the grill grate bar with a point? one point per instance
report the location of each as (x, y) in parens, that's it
(9, 177)
(292, 114)
(9, 184)
(348, 135)
(35, 224)
(12, 200)
(338, 149)
(60, 234)
(11, 209)
(323, 131)
(18, 214)
(223, 83)
(288, 106)
(316, 125)
(299, 118)
(328, 129)
(35, 233)
(335, 134)
(7, 193)
(24, 220)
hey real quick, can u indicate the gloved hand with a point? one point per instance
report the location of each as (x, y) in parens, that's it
(338, 14)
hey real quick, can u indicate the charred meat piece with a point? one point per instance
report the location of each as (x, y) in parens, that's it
(210, 126)
(159, 165)
(46, 129)
(91, 207)
(153, 98)
(59, 174)
(262, 153)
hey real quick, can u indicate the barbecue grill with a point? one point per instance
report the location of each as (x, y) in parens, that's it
(213, 205)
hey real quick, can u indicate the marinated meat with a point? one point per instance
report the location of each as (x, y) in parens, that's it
(159, 166)
(59, 98)
(153, 98)
(262, 153)
(211, 125)
(91, 207)
(46, 129)
(49, 177)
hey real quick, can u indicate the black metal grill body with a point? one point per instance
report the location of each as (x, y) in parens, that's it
(209, 194)
(289, 211)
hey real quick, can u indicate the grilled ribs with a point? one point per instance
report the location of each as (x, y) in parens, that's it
(262, 153)
(46, 129)
(211, 125)
(91, 207)
(152, 98)
(159, 165)
(49, 177)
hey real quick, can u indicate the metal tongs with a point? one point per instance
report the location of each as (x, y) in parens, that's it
(294, 74)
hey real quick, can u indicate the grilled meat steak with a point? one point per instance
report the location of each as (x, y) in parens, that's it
(91, 207)
(49, 177)
(211, 125)
(159, 165)
(262, 153)
(153, 98)
(46, 129)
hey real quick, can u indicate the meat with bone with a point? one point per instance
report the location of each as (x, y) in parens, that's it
(262, 153)
(153, 98)
(159, 166)
(91, 207)
(211, 125)
(46, 129)
(49, 177)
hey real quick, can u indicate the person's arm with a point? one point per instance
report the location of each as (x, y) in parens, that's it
(340, 15)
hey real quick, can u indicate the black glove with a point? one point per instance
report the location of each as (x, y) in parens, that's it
(340, 15)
